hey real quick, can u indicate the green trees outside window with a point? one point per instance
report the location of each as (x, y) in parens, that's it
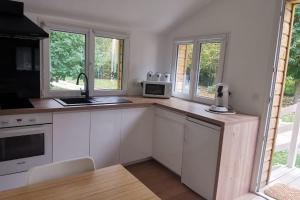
(108, 63)
(68, 59)
(208, 64)
(199, 66)
(292, 84)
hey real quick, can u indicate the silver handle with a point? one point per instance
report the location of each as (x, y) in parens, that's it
(185, 137)
(21, 163)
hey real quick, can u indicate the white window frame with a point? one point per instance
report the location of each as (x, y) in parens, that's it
(90, 35)
(197, 41)
(124, 37)
(174, 69)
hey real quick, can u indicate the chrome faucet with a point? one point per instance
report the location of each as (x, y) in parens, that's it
(86, 85)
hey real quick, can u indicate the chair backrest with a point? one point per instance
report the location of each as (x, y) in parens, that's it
(60, 169)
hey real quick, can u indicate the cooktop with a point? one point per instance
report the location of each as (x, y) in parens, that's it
(14, 103)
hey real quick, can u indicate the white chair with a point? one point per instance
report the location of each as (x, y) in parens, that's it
(60, 169)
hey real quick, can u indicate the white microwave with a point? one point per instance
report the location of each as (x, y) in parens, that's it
(157, 89)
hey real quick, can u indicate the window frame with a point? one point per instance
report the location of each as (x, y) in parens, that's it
(124, 37)
(90, 35)
(174, 70)
(197, 41)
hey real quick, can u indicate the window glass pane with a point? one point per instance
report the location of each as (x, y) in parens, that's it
(208, 64)
(67, 60)
(183, 68)
(108, 63)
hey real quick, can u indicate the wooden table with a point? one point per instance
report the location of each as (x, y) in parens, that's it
(108, 183)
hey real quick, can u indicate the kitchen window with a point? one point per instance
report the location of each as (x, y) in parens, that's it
(183, 67)
(198, 67)
(108, 63)
(70, 51)
(67, 59)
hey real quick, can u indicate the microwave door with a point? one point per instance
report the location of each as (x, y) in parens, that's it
(155, 89)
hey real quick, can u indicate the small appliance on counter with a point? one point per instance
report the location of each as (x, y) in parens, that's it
(157, 89)
(158, 85)
(221, 105)
(150, 76)
(166, 77)
(157, 76)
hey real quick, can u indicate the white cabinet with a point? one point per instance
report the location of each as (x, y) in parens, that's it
(71, 135)
(136, 134)
(13, 181)
(105, 137)
(168, 139)
(200, 155)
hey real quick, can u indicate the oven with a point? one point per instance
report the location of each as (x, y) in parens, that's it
(25, 142)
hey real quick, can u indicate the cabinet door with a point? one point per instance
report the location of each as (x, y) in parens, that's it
(13, 181)
(200, 155)
(105, 137)
(71, 135)
(168, 139)
(136, 134)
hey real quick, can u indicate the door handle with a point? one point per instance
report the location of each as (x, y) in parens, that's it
(185, 137)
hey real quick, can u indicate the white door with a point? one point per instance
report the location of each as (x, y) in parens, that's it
(168, 139)
(136, 134)
(105, 137)
(71, 135)
(200, 155)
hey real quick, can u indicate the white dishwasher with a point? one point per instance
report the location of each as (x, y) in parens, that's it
(200, 156)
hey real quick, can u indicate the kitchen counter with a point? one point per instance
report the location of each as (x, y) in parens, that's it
(232, 145)
(190, 109)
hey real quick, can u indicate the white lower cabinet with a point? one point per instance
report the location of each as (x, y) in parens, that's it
(186, 146)
(13, 181)
(105, 137)
(136, 134)
(168, 139)
(200, 155)
(71, 135)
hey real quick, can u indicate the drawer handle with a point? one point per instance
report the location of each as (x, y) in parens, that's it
(21, 163)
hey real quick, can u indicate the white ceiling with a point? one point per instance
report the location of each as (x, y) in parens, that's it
(152, 15)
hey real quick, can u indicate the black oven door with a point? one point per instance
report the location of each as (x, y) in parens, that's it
(22, 146)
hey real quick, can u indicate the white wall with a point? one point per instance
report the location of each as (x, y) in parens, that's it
(143, 47)
(252, 27)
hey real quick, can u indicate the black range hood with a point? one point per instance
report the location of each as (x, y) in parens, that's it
(14, 24)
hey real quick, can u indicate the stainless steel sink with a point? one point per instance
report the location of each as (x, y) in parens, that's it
(91, 101)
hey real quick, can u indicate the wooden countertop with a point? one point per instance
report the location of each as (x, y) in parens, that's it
(191, 109)
(113, 182)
